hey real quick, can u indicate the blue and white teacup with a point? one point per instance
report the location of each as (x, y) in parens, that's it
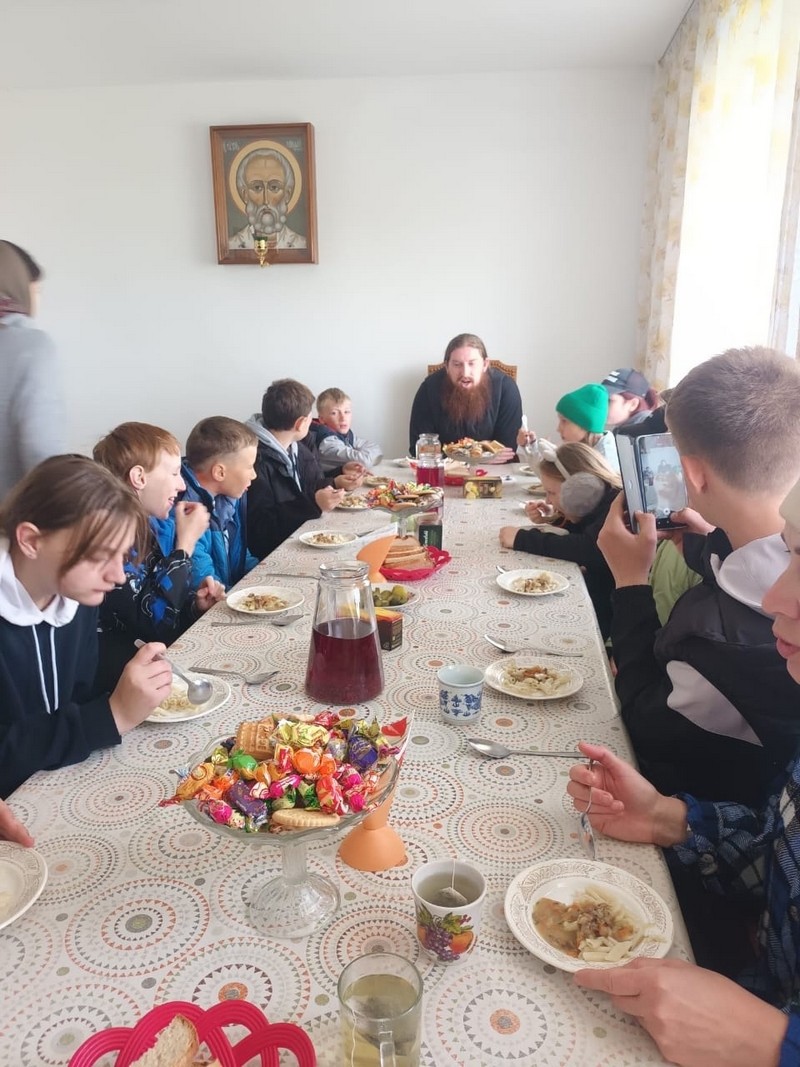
(460, 692)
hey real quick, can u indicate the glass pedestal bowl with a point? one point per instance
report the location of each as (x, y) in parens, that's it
(297, 901)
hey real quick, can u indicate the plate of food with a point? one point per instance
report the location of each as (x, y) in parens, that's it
(468, 448)
(530, 472)
(392, 595)
(327, 538)
(535, 680)
(352, 502)
(264, 599)
(376, 479)
(575, 913)
(532, 582)
(396, 496)
(176, 707)
(23, 876)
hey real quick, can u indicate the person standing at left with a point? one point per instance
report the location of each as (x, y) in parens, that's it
(31, 407)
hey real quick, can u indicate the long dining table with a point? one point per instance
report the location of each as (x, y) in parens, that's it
(144, 905)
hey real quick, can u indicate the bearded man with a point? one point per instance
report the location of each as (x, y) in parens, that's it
(265, 181)
(468, 398)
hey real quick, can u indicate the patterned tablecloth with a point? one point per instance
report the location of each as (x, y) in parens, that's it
(143, 905)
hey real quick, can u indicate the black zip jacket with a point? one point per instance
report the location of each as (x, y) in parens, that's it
(276, 507)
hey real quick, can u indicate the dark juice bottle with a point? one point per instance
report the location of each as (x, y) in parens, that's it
(344, 662)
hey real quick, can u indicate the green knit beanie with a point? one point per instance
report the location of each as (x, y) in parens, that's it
(587, 407)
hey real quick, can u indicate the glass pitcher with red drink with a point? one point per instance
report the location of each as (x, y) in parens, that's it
(430, 461)
(344, 660)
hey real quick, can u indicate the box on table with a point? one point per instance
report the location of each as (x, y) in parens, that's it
(483, 486)
(390, 628)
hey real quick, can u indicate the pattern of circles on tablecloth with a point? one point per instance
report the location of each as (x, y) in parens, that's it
(273, 976)
(525, 776)
(136, 927)
(506, 832)
(440, 613)
(156, 746)
(433, 742)
(426, 797)
(77, 863)
(105, 801)
(446, 638)
(357, 931)
(58, 1032)
(183, 845)
(23, 947)
(482, 1017)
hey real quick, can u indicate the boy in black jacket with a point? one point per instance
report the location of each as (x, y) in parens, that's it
(290, 487)
(706, 700)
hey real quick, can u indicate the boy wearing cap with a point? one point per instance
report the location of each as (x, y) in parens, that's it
(582, 416)
(631, 399)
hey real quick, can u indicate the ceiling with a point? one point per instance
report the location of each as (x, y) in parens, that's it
(61, 43)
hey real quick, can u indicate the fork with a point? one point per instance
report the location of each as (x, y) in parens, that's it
(286, 620)
(588, 843)
(252, 679)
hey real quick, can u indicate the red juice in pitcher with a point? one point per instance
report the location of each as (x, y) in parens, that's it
(344, 662)
(433, 475)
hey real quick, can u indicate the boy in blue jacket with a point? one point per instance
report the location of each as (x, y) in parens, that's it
(218, 468)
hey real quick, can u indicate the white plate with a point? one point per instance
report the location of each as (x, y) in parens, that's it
(220, 691)
(361, 506)
(412, 596)
(401, 461)
(506, 580)
(293, 598)
(23, 876)
(564, 879)
(495, 676)
(535, 490)
(532, 473)
(308, 538)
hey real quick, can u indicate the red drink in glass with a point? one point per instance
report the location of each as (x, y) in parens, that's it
(344, 662)
(431, 476)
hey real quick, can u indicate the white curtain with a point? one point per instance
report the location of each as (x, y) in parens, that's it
(719, 220)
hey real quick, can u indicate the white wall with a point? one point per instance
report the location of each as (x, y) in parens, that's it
(507, 205)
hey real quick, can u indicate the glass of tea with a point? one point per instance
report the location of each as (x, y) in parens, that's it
(344, 659)
(380, 1006)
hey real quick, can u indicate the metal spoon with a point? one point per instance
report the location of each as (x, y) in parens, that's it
(588, 843)
(528, 648)
(248, 679)
(494, 750)
(285, 620)
(197, 692)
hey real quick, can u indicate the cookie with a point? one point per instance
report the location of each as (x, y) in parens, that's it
(303, 818)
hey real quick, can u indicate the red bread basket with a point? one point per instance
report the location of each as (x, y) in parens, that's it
(264, 1039)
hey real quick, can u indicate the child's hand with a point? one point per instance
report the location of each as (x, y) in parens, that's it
(328, 497)
(538, 510)
(507, 535)
(191, 522)
(629, 555)
(209, 591)
(354, 467)
(525, 437)
(348, 480)
(145, 682)
(501, 457)
(11, 829)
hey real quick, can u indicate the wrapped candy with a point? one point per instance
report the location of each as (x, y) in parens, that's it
(218, 810)
(301, 734)
(307, 794)
(244, 764)
(282, 758)
(251, 807)
(337, 745)
(306, 761)
(329, 794)
(361, 752)
(194, 781)
(348, 777)
(219, 756)
(288, 800)
(280, 788)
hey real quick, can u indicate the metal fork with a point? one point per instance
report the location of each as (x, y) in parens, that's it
(588, 842)
(258, 620)
(253, 679)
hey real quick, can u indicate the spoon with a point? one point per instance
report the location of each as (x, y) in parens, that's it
(494, 750)
(197, 692)
(448, 896)
(588, 843)
(285, 620)
(528, 648)
(248, 679)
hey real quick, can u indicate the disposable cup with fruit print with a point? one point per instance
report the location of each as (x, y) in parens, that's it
(447, 929)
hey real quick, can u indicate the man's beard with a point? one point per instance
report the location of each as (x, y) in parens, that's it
(265, 219)
(465, 407)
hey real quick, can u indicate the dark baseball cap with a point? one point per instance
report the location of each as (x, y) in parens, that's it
(626, 380)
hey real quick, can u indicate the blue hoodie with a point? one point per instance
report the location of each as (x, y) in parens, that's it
(227, 563)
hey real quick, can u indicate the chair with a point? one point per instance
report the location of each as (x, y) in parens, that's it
(507, 368)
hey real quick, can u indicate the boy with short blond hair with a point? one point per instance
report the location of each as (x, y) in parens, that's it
(218, 468)
(157, 601)
(707, 702)
(336, 443)
(290, 487)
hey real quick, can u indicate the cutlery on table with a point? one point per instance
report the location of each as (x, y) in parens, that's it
(197, 691)
(251, 679)
(258, 620)
(527, 648)
(494, 750)
(588, 843)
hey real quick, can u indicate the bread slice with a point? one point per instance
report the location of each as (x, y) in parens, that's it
(493, 446)
(175, 1046)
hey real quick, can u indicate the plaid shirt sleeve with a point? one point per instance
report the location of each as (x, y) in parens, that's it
(728, 843)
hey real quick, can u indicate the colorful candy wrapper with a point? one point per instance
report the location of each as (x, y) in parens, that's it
(307, 793)
(301, 734)
(219, 756)
(306, 761)
(288, 800)
(329, 793)
(337, 745)
(280, 788)
(361, 752)
(218, 810)
(240, 797)
(244, 763)
(282, 757)
(348, 777)
(194, 781)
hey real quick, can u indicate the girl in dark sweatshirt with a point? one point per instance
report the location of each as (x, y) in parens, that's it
(65, 531)
(579, 488)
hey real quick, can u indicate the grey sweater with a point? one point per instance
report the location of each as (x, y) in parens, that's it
(31, 403)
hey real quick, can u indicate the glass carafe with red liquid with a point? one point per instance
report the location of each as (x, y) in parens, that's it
(344, 660)
(430, 461)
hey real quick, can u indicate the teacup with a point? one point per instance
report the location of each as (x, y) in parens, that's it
(460, 692)
(380, 1005)
(448, 932)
